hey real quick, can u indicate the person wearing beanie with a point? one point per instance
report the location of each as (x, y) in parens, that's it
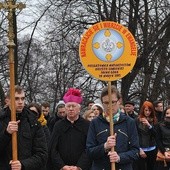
(60, 113)
(68, 141)
(97, 109)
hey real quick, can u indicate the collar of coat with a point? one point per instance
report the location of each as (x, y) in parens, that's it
(122, 118)
(64, 125)
(116, 117)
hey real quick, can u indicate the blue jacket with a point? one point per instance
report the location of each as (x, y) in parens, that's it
(127, 143)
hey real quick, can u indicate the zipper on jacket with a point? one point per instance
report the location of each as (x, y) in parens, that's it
(123, 133)
(102, 132)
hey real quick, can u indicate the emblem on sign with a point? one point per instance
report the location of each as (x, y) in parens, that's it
(108, 51)
(108, 45)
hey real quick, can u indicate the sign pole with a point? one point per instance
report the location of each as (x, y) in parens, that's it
(10, 6)
(111, 118)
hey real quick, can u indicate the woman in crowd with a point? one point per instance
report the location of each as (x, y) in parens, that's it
(89, 115)
(147, 134)
(37, 108)
(97, 109)
(163, 140)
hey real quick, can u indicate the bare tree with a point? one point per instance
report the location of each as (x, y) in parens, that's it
(49, 60)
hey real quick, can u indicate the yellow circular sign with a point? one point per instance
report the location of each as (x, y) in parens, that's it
(108, 51)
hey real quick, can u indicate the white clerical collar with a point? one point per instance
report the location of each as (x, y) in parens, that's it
(72, 121)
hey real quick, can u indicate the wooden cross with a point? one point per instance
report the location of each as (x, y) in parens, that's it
(10, 6)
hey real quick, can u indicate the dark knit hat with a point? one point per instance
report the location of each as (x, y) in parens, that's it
(130, 102)
(73, 95)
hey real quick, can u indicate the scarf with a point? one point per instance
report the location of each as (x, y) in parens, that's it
(116, 117)
(42, 120)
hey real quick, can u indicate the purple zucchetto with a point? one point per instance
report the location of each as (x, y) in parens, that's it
(73, 95)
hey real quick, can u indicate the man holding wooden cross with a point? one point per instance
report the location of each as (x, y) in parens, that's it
(31, 145)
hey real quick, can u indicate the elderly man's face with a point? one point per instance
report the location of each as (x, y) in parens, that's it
(72, 110)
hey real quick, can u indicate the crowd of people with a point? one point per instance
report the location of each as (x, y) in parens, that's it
(72, 140)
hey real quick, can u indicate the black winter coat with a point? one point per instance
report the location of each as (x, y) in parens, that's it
(53, 120)
(32, 146)
(68, 143)
(146, 136)
(163, 136)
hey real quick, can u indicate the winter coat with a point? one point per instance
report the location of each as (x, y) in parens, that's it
(163, 136)
(68, 144)
(146, 135)
(127, 145)
(53, 121)
(31, 142)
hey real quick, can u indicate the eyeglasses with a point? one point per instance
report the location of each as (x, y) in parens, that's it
(106, 103)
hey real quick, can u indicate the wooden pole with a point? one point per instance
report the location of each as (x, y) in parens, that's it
(11, 46)
(10, 6)
(111, 119)
(12, 99)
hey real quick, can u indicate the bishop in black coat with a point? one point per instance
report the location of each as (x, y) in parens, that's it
(67, 148)
(67, 145)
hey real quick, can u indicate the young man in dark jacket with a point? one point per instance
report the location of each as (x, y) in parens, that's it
(125, 139)
(60, 113)
(32, 146)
